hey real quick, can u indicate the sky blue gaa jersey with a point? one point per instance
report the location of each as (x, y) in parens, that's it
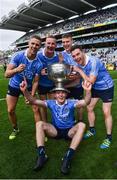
(44, 80)
(69, 60)
(95, 67)
(33, 68)
(62, 115)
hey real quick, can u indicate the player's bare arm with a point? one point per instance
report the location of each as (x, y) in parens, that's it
(35, 85)
(90, 78)
(87, 87)
(32, 100)
(12, 70)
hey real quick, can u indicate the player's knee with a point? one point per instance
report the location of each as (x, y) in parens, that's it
(107, 113)
(90, 108)
(11, 111)
(40, 124)
(82, 125)
(35, 109)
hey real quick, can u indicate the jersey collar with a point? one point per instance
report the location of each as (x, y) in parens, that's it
(43, 52)
(25, 53)
(86, 61)
(62, 104)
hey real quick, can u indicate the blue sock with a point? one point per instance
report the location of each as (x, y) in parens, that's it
(92, 129)
(15, 127)
(69, 154)
(109, 136)
(41, 150)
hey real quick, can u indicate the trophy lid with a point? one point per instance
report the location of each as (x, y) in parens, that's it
(60, 89)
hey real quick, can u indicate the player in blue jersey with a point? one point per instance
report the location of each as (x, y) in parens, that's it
(47, 56)
(75, 86)
(67, 43)
(23, 64)
(93, 70)
(63, 123)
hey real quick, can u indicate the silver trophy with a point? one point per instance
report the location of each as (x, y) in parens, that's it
(58, 72)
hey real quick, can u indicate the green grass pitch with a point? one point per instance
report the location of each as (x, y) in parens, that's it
(17, 157)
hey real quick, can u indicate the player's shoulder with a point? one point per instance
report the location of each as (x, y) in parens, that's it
(93, 58)
(18, 54)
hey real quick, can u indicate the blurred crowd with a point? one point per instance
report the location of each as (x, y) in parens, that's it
(107, 55)
(88, 20)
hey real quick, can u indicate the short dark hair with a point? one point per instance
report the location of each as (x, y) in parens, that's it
(68, 35)
(76, 46)
(36, 37)
(51, 36)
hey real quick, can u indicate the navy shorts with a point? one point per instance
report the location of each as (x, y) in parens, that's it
(15, 91)
(105, 95)
(62, 133)
(43, 90)
(76, 92)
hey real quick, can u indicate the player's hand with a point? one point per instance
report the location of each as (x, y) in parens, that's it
(44, 71)
(26, 100)
(61, 59)
(72, 76)
(75, 69)
(23, 85)
(20, 68)
(86, 85)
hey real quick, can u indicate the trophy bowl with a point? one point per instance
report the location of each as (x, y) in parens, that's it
(58, 72)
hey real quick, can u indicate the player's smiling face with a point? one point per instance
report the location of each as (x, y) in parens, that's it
(50, 45)
(60, 96)
(78, 56)
(34, 45)
(67, 43)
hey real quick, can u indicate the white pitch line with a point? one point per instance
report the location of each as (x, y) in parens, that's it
(2, 99)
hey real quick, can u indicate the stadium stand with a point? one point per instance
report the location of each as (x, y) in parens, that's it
(94, 31)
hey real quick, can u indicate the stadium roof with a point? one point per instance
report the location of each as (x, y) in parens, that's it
(39, 13)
